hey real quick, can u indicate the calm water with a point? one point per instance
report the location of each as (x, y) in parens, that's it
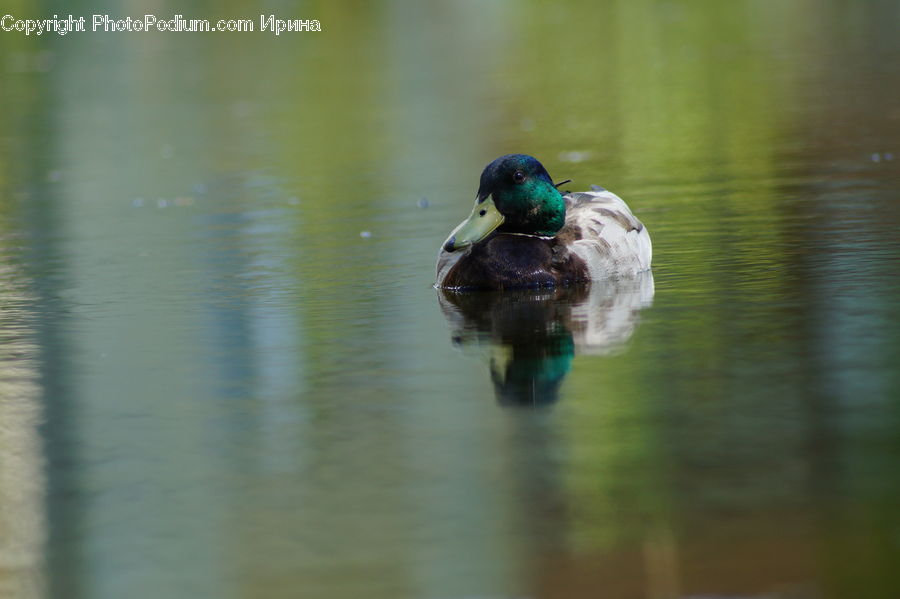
(224, 371)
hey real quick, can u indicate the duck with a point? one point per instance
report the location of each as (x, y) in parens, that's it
(524, 233)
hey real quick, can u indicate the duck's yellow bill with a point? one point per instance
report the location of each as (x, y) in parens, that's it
(484, 218)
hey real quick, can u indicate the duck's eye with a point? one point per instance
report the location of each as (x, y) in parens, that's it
(518, 176)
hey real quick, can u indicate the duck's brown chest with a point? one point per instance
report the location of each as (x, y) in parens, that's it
(507, 261)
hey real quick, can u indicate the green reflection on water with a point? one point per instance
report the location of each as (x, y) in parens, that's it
(530, 338)
(227, 244)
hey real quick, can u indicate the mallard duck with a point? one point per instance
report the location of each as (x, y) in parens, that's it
(524, 233)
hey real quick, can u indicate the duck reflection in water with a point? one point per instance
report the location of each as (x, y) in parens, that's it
(532, 336)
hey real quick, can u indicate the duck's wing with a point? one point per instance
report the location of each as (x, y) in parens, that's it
(602, 230)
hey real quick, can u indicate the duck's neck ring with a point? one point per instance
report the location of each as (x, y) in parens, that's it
(545, 237)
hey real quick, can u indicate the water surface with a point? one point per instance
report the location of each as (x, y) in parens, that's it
(224, 371)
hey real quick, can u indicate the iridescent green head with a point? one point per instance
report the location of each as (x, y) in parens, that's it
(516, 195)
